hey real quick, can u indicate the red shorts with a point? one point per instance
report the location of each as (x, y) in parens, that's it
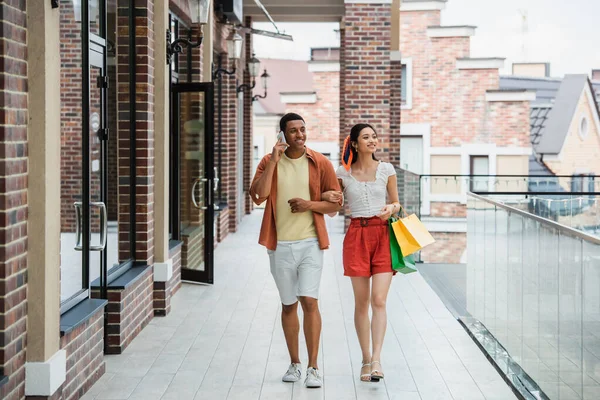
(367, 248)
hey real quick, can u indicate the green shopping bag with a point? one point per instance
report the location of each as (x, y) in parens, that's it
(404, 265)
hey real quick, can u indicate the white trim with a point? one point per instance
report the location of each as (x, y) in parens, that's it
(323, 66)
(480, 63)
(367, 1)
(441, 224)
(44, 378)
(424, 130)
(395, 55)
(480, 149)
(426, 5)
(298, 98)
(163, 272)
(409, 83)
(450, 31)
(503, 96)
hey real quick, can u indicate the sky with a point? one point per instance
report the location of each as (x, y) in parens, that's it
(564, 33)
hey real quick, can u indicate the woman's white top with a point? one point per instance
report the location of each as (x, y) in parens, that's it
(366, 199)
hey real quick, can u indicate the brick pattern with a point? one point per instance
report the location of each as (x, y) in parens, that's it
(323, 117)
(128, 311)
(144, 129)
(230, 135)
(455, 210)
(365, 62)
(448, 248)
(164, 291)
(248, 123)
(85, 357)
(222, 219)
(13, 197)
(113, 147)
(452, 100)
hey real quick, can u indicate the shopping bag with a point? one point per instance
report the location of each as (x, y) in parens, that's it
(404, 265)
(411, 234)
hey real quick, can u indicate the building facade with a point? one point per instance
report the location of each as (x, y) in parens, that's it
(125, 163)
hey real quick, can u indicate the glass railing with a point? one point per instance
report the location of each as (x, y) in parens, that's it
(533, 292)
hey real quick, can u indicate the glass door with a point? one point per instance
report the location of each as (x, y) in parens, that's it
(194, 178)
(84, 134)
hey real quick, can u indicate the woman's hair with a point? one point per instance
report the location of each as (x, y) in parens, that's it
(354, 134)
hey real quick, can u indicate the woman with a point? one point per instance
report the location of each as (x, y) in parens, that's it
(366, 182)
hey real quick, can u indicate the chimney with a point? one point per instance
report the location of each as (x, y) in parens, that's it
(532, 70)
(596, 75)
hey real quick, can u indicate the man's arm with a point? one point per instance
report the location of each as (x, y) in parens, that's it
(261, 184)
(329, 181)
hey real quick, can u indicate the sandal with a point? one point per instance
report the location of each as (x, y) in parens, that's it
(365, 377)
(376, 375)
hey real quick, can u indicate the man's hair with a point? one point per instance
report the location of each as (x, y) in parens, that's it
(287, 118)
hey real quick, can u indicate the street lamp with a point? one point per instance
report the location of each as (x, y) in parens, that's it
(264, 80)
(176, 46)
(253, 70)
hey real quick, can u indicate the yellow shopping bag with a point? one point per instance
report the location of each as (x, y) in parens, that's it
(411, 234)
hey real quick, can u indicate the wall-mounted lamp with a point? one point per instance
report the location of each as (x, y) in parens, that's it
(176, 46)
(265, 79)
(253, 70)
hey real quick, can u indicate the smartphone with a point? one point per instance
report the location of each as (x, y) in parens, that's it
(281, 137)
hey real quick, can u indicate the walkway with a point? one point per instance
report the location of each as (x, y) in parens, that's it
(225, 341)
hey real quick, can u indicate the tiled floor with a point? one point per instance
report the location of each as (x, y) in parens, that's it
(225, 341)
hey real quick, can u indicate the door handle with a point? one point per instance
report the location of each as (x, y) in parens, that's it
(217, 180)
(78, 246)
(193, 193)
(103, 226)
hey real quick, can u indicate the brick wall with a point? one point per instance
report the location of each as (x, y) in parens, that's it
(323, 117)
(453, 100)
(85, 357)
(439, 209)
(144, 129)
(248, 124)
(448, 248)
(222, 219)
(128, 311)
(230, 135)
(13, 197)
(164, 291)
(365, 62)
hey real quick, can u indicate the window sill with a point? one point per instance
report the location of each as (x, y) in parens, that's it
(174, 244)
(125, 280)
(80, 314)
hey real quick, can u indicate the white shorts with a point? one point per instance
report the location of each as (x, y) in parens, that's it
(296, 268)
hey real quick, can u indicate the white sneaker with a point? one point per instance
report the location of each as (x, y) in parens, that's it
(293, 373)
(313, 378)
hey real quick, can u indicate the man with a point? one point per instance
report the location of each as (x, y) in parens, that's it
(291, 179)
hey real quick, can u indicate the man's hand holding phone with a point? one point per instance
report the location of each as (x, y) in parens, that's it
(279, 148)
